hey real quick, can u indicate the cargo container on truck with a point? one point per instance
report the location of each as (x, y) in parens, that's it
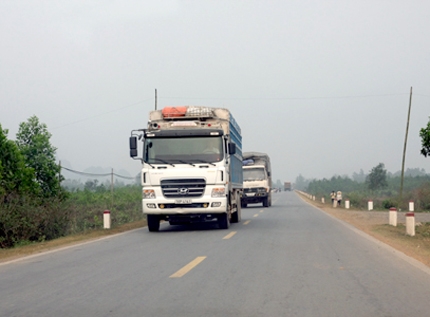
(257, 179)
(287, 186)
(191, 166)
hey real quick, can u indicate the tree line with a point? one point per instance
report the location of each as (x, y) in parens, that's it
(27, 165)
(378, 185)
(34, 206)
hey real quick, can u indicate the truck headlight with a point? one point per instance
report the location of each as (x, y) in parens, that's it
(148, 194)
(218, 192)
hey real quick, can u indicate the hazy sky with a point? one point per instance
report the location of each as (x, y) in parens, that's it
(321, 86)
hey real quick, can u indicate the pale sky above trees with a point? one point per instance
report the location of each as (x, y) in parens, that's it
(321, 86)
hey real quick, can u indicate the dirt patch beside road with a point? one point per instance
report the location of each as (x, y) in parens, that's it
(375, 223)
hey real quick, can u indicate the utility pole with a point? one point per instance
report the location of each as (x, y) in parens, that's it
(404, 149)
(59, 177)
(155, 99)
(59, 174)
(111, 188)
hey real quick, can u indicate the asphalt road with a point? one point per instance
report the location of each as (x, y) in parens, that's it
(290, 259)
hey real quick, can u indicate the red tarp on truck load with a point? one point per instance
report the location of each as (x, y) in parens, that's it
(174, 112)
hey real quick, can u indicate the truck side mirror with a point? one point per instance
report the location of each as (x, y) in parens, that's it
(231, 148)
(133, 146)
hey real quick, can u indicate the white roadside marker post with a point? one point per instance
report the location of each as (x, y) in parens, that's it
(410, 224)
(393, 217)
(106, 219)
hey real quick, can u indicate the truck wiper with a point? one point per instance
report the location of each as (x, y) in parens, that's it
(150, 164)
(206, 162)
(186, 162)
(163, 161)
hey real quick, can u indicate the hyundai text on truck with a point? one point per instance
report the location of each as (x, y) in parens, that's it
(257, 179)
(191, 166)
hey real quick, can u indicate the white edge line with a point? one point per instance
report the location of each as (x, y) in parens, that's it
(66, 247)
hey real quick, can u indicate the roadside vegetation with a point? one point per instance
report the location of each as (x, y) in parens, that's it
(378, 185)
(34, 207)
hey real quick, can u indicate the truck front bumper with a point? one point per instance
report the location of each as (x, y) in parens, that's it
(254, 198)
(194, 206)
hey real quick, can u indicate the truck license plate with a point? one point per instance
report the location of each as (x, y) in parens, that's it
(183, 201)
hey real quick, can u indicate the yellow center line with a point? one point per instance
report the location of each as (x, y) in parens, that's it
(246, 222)
(230, 235)
(256, 215)
(188, 267)
(262, 210)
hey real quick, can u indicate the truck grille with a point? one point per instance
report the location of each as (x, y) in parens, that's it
(183, 188)
(253, 190)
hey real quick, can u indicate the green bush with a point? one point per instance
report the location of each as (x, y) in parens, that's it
(388, 203)
(26, 219)
(356, 199)
(87, 207)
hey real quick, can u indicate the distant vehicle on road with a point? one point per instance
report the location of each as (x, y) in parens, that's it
(257, 179)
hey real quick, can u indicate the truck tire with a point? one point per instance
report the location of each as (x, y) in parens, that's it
(266, 202)
(223, 221)
(243, 204)
(237, 216)
(153, 223)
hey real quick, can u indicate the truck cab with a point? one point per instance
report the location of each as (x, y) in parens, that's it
(191, 166)
(257, 179)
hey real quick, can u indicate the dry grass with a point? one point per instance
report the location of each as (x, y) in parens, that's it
(417, 247)
(34, 248)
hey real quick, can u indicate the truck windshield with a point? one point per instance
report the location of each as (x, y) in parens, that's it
(253, 174)
(184, 150)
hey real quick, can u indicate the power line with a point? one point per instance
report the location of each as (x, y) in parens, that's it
(94, 174)
(239, 98)
(421, 95)
(293, 98)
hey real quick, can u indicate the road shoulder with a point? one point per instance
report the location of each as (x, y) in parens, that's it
(375, 224)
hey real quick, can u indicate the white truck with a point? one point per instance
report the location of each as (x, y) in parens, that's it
(257, 179)
(191, 166)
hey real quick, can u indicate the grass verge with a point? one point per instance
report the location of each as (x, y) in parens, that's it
(417, 247)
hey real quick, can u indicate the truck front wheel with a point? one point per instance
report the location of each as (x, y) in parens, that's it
(237, 216)
(153, 223)
(266, 202)
(223, 221)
